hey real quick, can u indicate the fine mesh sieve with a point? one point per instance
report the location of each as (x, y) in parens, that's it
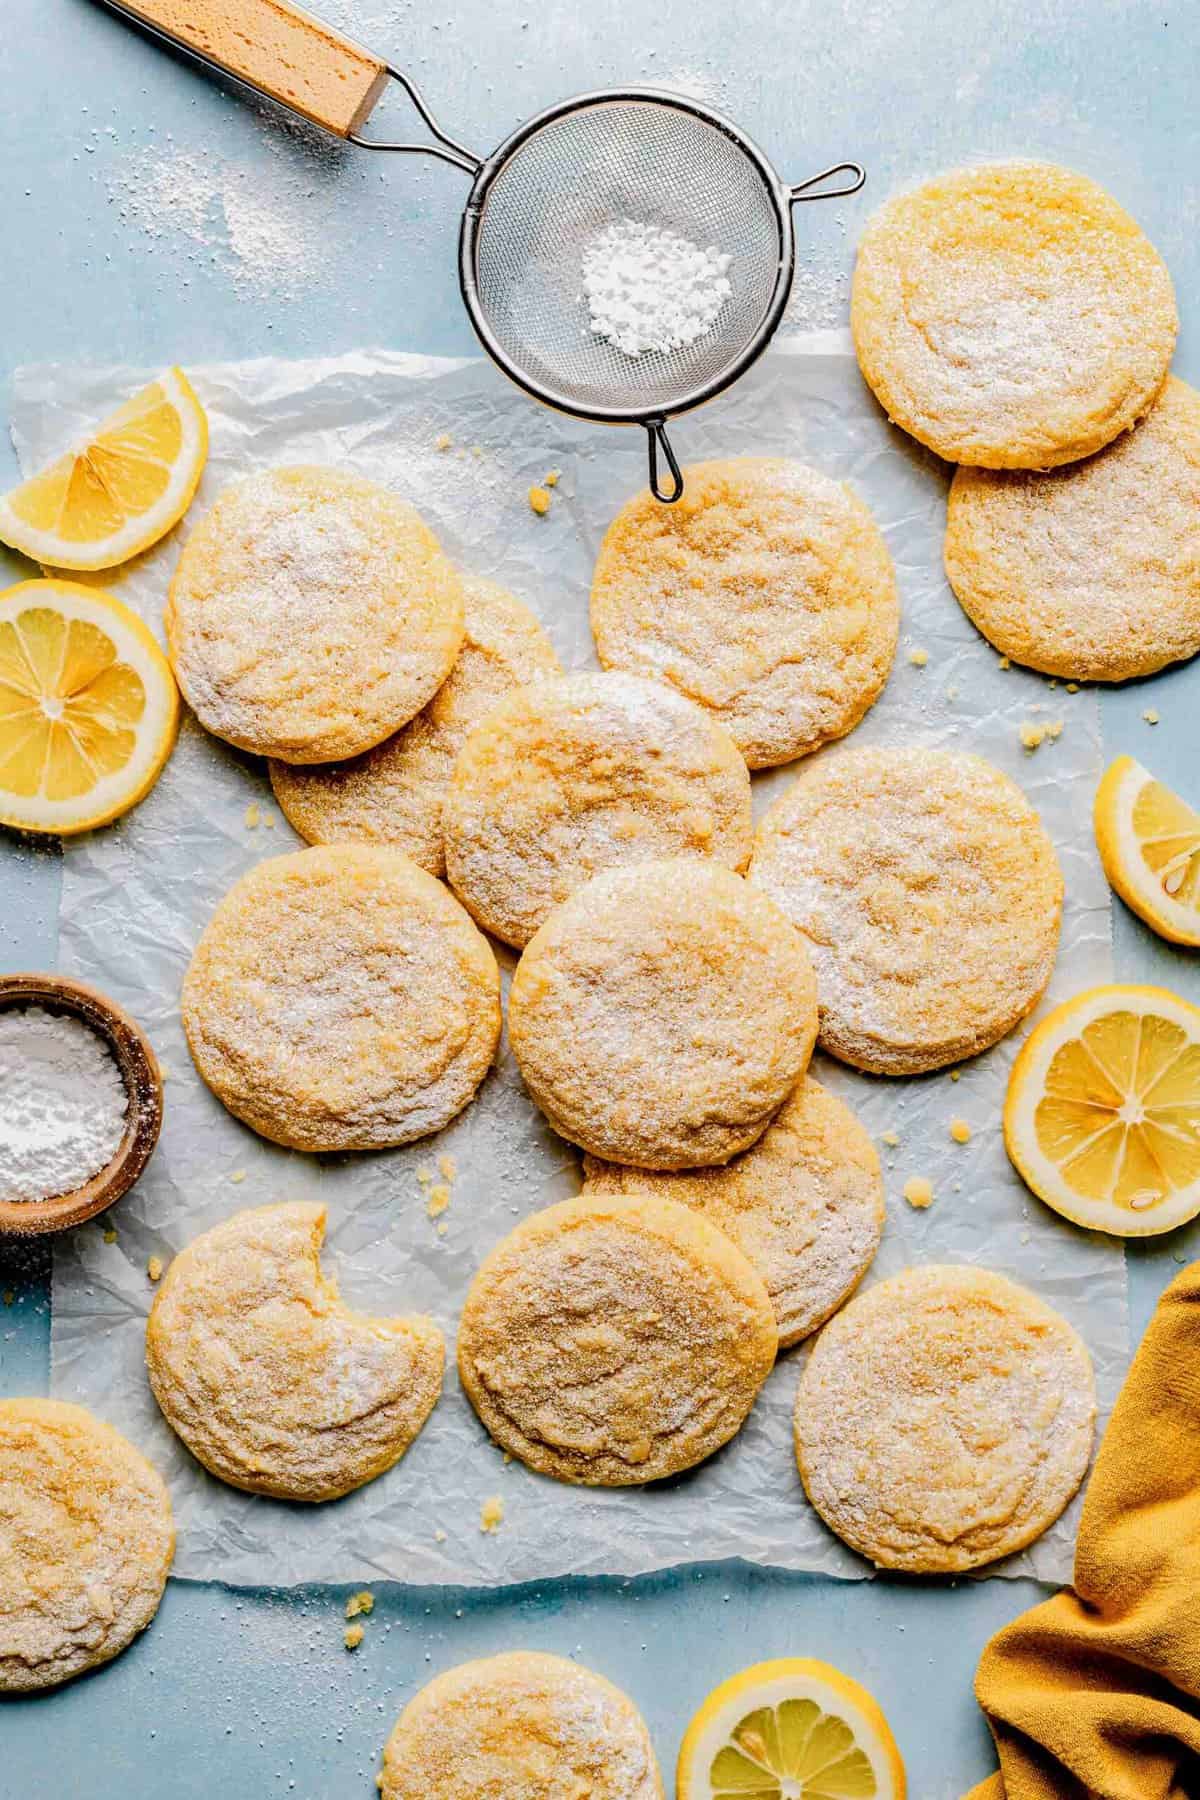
(641, 154)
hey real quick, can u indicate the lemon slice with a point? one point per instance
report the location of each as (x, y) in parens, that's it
(118, 491)
(1102, 1117)
(1149, 842)
(88, 707)
(795, 1729)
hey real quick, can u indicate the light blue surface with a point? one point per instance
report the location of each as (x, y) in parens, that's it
(251, 1694)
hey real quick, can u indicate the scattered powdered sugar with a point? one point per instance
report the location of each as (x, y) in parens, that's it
(62, 1104)
(649, 289)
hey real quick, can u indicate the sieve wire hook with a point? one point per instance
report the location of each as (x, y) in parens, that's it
(802, 189)
(656, 433)
(446, 147)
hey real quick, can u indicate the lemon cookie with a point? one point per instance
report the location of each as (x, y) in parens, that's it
(393, 794)
(944, 1419)
(311, 615)
(86, 1539)
(1091, 572)
(930, 896)
(805, 1204)
(1011, 316)
(581, 774)
(272, 1382)
(767, 595)
(520, 1726)
(662, 1014)
(615, 1339)
(341, 999)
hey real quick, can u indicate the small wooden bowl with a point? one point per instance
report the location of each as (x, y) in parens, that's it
(143, 1120)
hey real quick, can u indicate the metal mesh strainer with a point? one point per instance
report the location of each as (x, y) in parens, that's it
(636, 153)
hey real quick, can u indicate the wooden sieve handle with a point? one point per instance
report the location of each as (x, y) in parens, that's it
(277, 49)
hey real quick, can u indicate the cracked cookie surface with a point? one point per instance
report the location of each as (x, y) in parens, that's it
(272, 1382)
(86, 1539)
(766, 594)
(930, 897)
(581, 774)
(615, 1339)
(663, 1014)
(944, 1419)
(520, 1726)
(341, 999)
(1011, 316)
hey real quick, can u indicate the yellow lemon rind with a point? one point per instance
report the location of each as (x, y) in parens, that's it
(768, 1684)
(54, 552)
(128, 632)
(1120, 855)
(1026, 1084)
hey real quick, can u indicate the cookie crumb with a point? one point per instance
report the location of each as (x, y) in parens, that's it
(353, 1637)
(891, 1139)
(439, 1536)
(268, 820)
(424, 1174)
(8, 1296)
(252, 817)
(447, 1168)
(439, 1200)
(539, 500)
(154, 1268)
(1072, 687)
(491, 1514)
(1054, 730)
(1004, 663)
(477, 450)
(362, 1602)
(110, 1234)
(1150, 716)
(918, 1192)
(237, 1176)
(1032, 735)
(444, 442)
(443, 1228)
(918, 658)
(956, 1074)
(552, 479)
(960, 1131)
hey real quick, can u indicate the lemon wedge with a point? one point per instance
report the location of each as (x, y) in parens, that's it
(88, 707)
(1102, 1116)
(120, 490)
(1149, 843)
(795, 1729)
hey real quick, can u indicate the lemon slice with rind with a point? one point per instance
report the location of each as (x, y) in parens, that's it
(88, 707)
(118, 491)
(1149, 843)
(1102, 1117)
(794, 1729)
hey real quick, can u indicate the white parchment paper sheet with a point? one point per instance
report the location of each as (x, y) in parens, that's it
(137, 895)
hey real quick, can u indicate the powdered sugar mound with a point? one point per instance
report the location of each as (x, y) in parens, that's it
(649, 289)
(62, 1104)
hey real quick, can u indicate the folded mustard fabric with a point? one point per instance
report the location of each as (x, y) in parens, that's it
(1095, 1695)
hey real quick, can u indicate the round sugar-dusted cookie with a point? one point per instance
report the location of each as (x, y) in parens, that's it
(662, 1014)
(86, 1539)
(580, 774)
(1011, 316)
(311, 615)
(805, 1204)
(766, 594)
(272, 1382)
(944, 1419)
(615, 1339)
(520, 1726)
(930, 897)
(1093, 571)
(393, 794)
(341, 999)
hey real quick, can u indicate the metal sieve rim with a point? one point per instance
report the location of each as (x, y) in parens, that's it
(472, 219)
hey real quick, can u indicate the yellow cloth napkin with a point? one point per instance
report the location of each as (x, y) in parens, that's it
(1095, 1695)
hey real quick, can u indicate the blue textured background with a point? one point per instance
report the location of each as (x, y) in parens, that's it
(251, 1693)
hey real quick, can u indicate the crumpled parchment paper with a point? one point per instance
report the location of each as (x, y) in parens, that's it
(137, 895)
